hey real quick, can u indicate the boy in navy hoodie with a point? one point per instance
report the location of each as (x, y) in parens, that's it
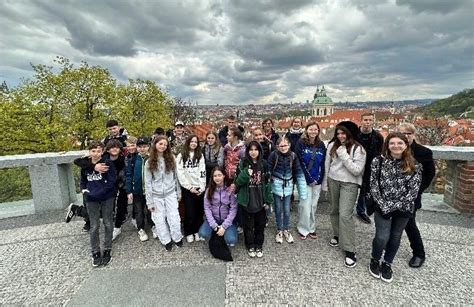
(99, 190)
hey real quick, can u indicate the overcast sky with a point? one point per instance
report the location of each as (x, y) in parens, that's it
(250, 51)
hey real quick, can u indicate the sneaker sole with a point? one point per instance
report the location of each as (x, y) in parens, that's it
(333, 245)
(70, 214)
(105, 264)
(373, 274)
(386, 280)
(350, 265)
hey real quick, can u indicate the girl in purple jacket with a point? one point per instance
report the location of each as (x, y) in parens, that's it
(220, 207)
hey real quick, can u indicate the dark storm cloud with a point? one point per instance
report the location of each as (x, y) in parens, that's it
(437, 6)
(248, 51)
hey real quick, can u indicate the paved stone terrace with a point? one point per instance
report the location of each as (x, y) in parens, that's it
(46, 262)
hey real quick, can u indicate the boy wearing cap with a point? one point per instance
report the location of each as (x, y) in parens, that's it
(178, 138)
(135, 188)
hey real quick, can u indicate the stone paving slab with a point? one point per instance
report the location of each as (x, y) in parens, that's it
(49, 265)
(143, 287)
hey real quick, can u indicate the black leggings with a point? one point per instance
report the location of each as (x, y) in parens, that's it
(193, 211)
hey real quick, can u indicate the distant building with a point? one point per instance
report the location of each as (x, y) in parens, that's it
(322, 104)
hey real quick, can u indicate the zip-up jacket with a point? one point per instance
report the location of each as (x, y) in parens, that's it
(191, 174)
(283, 175)
(213, 159)
(242, 181)
(101, 186)
(134, 174)
(222, 209)
(159, 183)
(394, 191)
(232, 156)
(317, 154)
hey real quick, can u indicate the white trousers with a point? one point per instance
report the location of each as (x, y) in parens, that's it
(166, 219)
(307, 210)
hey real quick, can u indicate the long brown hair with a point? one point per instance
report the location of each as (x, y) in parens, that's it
(211, 187)
(170, 164)
(217, 145)
(305, 138)
(350, 141)
(185, 153)
(408, 161)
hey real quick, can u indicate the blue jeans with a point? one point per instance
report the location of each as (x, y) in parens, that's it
(230, 234)
(282, 211)
(388, 233)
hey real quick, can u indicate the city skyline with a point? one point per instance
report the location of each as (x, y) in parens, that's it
(252, 52)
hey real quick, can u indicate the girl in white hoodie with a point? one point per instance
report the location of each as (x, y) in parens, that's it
(191, 167)
(162, 193)
(344, 165)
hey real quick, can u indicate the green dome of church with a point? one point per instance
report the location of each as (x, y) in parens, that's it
(320, 97)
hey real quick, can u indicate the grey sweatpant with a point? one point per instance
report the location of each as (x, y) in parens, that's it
(342, 196)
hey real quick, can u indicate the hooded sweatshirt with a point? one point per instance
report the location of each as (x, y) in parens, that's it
(343, 166)
(159, 183)
(101, 186)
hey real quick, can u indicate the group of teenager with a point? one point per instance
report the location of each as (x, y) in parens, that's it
(227, 186)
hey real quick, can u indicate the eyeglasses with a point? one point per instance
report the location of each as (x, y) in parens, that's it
(283, 146)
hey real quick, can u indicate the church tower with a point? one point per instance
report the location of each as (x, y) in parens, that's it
(322, 103)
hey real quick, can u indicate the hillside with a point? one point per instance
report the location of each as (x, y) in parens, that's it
(457, 105)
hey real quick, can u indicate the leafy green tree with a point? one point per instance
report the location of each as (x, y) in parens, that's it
(141, 107)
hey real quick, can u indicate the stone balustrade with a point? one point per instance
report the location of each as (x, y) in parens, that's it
(53, 187)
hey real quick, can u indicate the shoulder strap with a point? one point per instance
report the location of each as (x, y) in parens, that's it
(313, 157)
(275, 162)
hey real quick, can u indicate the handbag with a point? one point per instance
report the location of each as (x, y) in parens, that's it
(219, 248)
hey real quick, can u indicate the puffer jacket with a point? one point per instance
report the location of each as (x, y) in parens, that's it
(222, 209)
(283, 175)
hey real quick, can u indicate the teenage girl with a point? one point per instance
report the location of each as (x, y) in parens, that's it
(395, 180)
(344, 166)
(191, 170)
(213, 153)
(220, 208)
(311, 152)
(285, 169)
(253, 196)
(162, 193)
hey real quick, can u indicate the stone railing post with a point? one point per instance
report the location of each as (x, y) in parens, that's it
(459, 186)
(52, 186)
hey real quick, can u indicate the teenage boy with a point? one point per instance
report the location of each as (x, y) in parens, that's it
(424, 156)
(231, 123)
(177, 138)
(99, 190)
(115, 132)
(135, 188)
(372, 141)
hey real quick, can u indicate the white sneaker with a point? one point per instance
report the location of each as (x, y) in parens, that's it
(116, 233)
(154, 232)
(197, 237)
(259, 253)
(142, 235)
(288, 236)
(134, 223)
(190, 238)
(240, 230)
(252, 253)
(279, 237)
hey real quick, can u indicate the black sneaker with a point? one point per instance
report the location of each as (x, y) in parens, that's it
(386, 272)
(374, 268)
(169, 246)
(351, 260)
(86, 227)
(71, 212)
(106, 257)
(179, 243)
(96, 259)
(364, 218)
(334, 242)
